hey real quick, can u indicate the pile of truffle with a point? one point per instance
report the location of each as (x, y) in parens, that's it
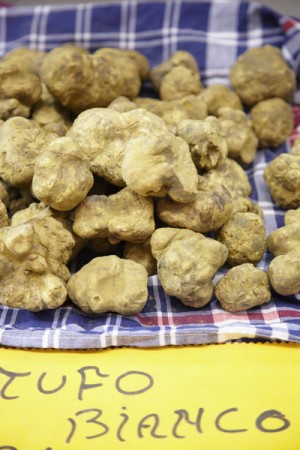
(150, 185)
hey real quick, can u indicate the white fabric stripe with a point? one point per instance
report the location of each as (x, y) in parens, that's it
(78, 25)
(165, 31)
(56, 341)
(123, 24)
(115, 331)
(86, 23)
(43, 28)
(13, 317)
(175, 25)
(3, 315)
(157, 297)
(215, 42)
(67, 312)
(34, 31)
(254, 25)
(55, 319)
(2, 31)
(131, 43)
(169, 308)
(45, 340)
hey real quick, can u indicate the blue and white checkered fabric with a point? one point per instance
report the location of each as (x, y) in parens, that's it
(216, 33)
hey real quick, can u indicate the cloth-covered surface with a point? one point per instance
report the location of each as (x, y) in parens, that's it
(216, 33)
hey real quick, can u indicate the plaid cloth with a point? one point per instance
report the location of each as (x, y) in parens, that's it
(216, 33)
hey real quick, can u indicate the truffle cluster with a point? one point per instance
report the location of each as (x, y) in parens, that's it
(148, 185)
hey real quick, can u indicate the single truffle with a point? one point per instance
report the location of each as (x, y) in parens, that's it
(261, 73)
(187, 263)
(240, 138)
(122, 216)
(158, 165)
(282, 176)
(285, 239)
(292, 215)
(62, 176)
(232, 176)
(208, 212)
(81, 81)
(244, 235)
(218, 96)
(21, 141)
(242, 288)
(102, 134)
(205, 138)
(284, 273)
(272, 121)
(33, 264)
(109, 284)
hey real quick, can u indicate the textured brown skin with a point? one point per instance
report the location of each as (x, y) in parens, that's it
(218, 96)
(26, 59)
(166, 167)
(208, 212)
(82, 81)
(179, 82)
(122, 216)
(11, 107)
(282, 176)
(232, 176)
(186, 263)
(285, 239)
(284, 273)
(261, 73)
(242, 288)
(33, 262)
(141, 253)
(174, 111)
(180, 58)
(21, 141)
(4, 220)
(272, 121)
(245, 204)
(19, 84)
(292, 215)
(109, 284)
(103, 133)
(62, 176)
(244, 235)
(240, 138)
(207, 145)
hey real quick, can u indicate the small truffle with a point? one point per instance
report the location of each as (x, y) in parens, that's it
(261, 73)
(244, 235)
(208, 212)
(282, 176)
(272, 121)
(242, 288)
(205, 138)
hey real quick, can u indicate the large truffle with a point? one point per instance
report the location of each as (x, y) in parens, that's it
(261, 73)
(109, 284)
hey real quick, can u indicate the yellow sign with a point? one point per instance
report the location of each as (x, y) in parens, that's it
(229, 397)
